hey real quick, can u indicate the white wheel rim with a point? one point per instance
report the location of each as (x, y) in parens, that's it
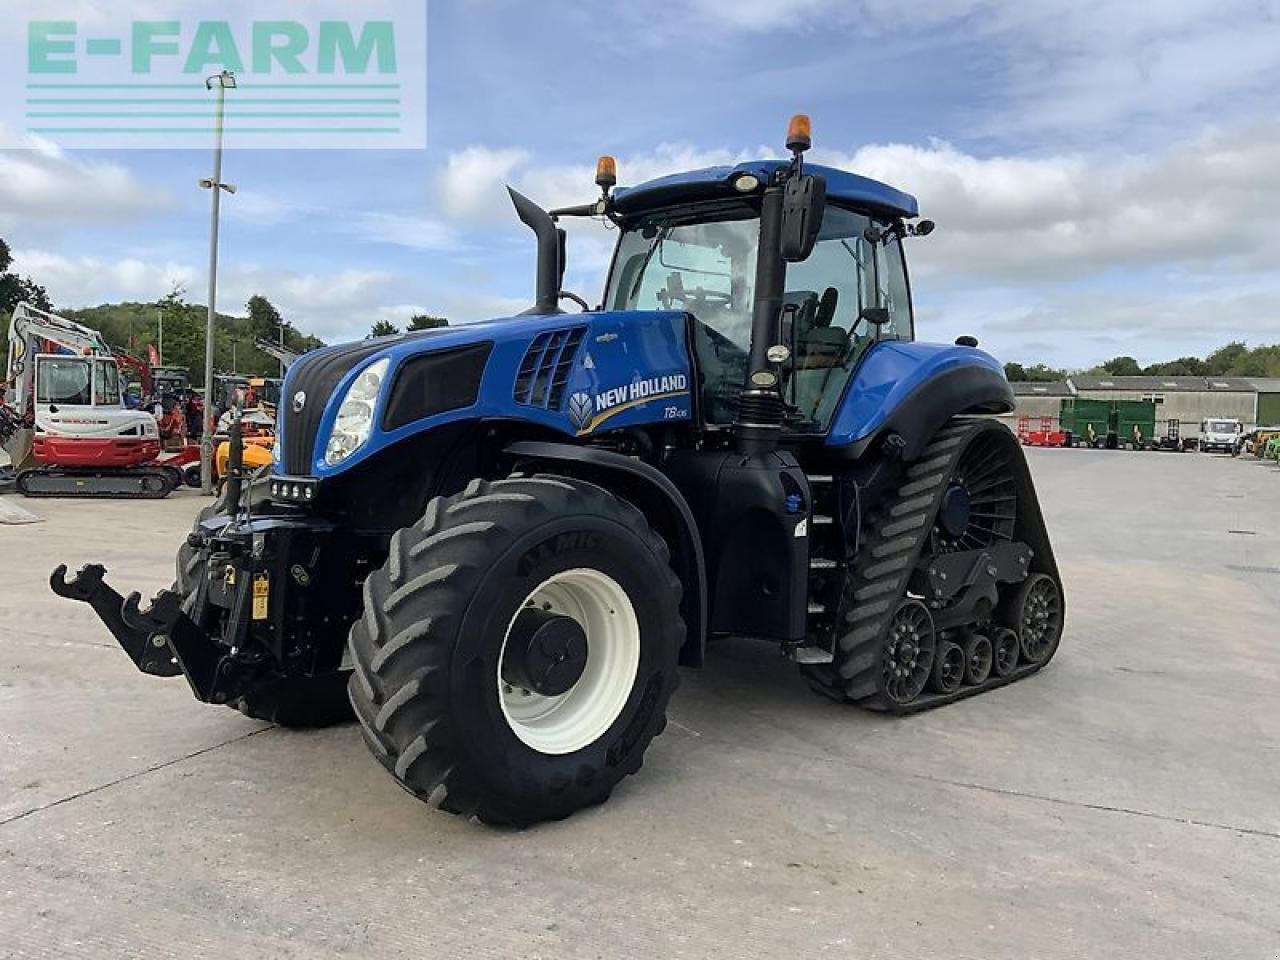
(581, 715)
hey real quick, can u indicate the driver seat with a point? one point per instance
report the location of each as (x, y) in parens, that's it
(819, 345)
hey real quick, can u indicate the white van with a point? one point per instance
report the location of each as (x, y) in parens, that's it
(1219, 435)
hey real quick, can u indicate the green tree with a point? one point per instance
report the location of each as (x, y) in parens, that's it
(382, 328)
(15, 289)
(264, 318)
(1037, 373)
(1123, 367)
(1258, 362)
(1224, 358)
(423, 321)
(1182, 367)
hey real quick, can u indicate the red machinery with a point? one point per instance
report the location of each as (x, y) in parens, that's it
(62, 386)
(1046, 436)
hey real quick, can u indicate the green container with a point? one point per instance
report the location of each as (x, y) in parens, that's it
(1118, 417)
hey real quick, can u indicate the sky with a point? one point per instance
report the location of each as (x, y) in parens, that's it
(1103, 175)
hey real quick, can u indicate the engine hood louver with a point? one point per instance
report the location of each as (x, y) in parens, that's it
(544, 371)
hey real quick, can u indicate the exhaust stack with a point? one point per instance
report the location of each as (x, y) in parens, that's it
(550, 254)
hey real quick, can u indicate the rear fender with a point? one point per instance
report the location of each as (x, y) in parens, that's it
(912, 389)
(661, 503)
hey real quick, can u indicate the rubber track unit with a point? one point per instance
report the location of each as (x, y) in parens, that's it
(403, 645)
(124, 484)
(296, 702)
(882, 570)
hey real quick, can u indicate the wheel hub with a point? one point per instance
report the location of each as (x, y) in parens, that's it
(586, 668)
(546, 652)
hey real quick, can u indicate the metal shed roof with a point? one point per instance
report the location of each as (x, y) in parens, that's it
(1165, 384)
(1033, 388)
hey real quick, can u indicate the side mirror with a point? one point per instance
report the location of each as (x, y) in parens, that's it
(804, 200)
(876, 316)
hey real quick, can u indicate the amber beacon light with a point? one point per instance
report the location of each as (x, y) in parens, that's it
(798, 135)
(606, 172)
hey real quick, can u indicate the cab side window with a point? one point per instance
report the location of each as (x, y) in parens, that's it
(855, 264)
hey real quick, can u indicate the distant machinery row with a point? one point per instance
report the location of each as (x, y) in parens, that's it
(1191, 401)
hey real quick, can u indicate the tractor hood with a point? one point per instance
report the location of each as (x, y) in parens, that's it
(570, 373)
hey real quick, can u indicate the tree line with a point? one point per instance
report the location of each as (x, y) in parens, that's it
(1235, 359)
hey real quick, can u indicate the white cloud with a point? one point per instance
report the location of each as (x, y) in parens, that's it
(42, 188)
(333, 305)
(1026, 245)
(471, 181)
(1208, 200)
(1001, 218)
(79, 281)
(413, 233)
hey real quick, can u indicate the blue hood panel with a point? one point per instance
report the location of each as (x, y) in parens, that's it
(625, 369)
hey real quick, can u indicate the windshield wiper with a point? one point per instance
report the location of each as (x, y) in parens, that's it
(653, 248)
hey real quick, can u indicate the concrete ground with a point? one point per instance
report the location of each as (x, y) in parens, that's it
(1123, 803)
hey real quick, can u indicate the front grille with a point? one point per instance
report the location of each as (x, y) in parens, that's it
(317, 375)
(545, 370)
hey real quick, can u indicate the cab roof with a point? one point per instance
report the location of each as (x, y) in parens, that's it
(716, 183)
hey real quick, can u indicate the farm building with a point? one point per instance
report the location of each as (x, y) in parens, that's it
(1190, 400)
(1036, 401)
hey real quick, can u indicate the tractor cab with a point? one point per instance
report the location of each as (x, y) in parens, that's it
(848, 294)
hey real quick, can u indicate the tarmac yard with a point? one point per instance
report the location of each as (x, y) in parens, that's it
(1125, 802)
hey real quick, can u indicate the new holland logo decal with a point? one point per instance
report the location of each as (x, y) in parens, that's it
(587, 412)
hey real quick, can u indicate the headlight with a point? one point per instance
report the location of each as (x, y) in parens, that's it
(354, 422)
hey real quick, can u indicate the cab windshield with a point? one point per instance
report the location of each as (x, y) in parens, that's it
(67, 381)
(703, 261)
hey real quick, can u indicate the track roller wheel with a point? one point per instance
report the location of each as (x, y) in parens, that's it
(978, 656)
(948, 668)
(908, 652)
(1004, 653)
(1037, 615)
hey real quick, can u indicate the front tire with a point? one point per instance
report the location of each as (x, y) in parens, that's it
(518, 649)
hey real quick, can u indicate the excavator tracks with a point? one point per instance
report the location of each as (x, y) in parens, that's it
(898, 649)
(138, 483)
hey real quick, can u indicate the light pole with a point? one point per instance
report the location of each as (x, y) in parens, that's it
(223, 81)
(282, 326)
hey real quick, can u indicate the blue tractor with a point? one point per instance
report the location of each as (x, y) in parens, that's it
(495, 543)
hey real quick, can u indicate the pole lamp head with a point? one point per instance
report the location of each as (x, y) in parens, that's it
(226, 80)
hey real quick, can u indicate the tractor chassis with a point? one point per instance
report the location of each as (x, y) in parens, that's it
(228, 631)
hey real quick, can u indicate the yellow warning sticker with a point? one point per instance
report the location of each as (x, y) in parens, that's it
(261, 594)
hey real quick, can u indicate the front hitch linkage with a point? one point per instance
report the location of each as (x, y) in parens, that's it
(161, 640)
